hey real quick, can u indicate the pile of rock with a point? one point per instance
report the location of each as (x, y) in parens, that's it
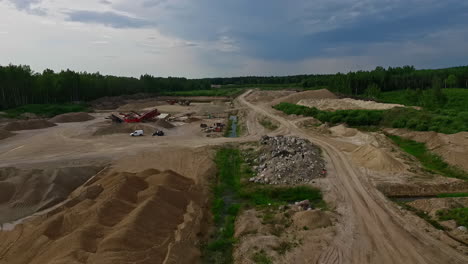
(288, 160)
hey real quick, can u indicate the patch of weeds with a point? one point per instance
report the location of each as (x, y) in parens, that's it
(266, 123)
(431, 162)
(452, 195)
(261, 258)
(305, 228)
(422, 215)
(284, 247)
(460, 215)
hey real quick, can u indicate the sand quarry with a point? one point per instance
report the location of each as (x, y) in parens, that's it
(77, 188)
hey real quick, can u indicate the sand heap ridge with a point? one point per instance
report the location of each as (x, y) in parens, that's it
(28, 124)
(71, 117)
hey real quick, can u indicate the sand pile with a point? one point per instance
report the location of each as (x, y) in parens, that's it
(123, 128)
(119, 217)
(453, 148)
(5, 134)
(71, 117)
(345, 104)
(24, 192)
(28, 124)
(164, 124)
(267, 96)
(315, 94)
(377, 159)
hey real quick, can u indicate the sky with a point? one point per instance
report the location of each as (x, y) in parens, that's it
(221, 38)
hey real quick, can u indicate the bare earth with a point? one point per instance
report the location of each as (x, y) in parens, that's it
(148, 201)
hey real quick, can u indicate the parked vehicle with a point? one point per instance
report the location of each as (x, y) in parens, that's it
(158, 133)
(137, 133)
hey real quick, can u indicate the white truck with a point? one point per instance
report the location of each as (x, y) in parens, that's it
(137, 133)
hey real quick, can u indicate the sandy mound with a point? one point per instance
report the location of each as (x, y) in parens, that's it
(121, 217)
(453, 148)
(23, 192)
(164, 124)
(449, 185)
(377, 159)
(345, 104)
(267, 96)
(311, 219)
(123, 128)
(315, 94)
(71, 117)
(343, 131)
(28, 124)
(5, 134)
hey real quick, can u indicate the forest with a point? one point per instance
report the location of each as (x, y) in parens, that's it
(19, 85)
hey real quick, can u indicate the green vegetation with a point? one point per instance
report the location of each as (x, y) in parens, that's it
(261, 258)
(460, 215)
(266, 123)
(439, 121)
(456, 99)
(231, 194)
(213, 92)
(452, 195)
(351, 117)
(422, 215)
(430, 161)
(45, 110)
(19, 85)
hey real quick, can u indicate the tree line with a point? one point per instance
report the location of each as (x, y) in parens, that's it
(19, 85)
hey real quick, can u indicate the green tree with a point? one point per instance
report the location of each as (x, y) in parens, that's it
(451, 81)
(373, 91)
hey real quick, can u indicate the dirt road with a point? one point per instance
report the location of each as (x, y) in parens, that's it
(373, 230)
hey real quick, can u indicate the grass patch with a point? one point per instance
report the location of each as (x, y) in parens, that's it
(452, 195)
(45, 110)
(460, 215)
(231, 194)
(422, 215)
(266, 123)
(443, 121)
(261, 258)
(430, 161)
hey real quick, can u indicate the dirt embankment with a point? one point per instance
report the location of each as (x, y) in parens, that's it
(296, 97)
(28, 125)
(71, 117)
(24, 192)
(137, 215)
(345, 104)
(421, 189)
(5, 134)
(453, 148)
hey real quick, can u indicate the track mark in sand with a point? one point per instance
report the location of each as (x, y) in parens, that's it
(13, 149)
(332, 255)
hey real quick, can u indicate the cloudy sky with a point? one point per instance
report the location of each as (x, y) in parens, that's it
(210, 38)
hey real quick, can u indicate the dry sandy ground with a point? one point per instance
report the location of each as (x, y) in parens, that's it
(148, 204)
(371, 229)
(345, 104)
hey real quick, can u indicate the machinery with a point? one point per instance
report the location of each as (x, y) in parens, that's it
(185, 102)
(134, 117)
(158, 133)
(171, 102)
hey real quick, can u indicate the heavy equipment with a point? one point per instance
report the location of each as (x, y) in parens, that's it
(134, 117)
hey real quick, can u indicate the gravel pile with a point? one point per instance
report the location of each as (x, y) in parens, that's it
(288, 160)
